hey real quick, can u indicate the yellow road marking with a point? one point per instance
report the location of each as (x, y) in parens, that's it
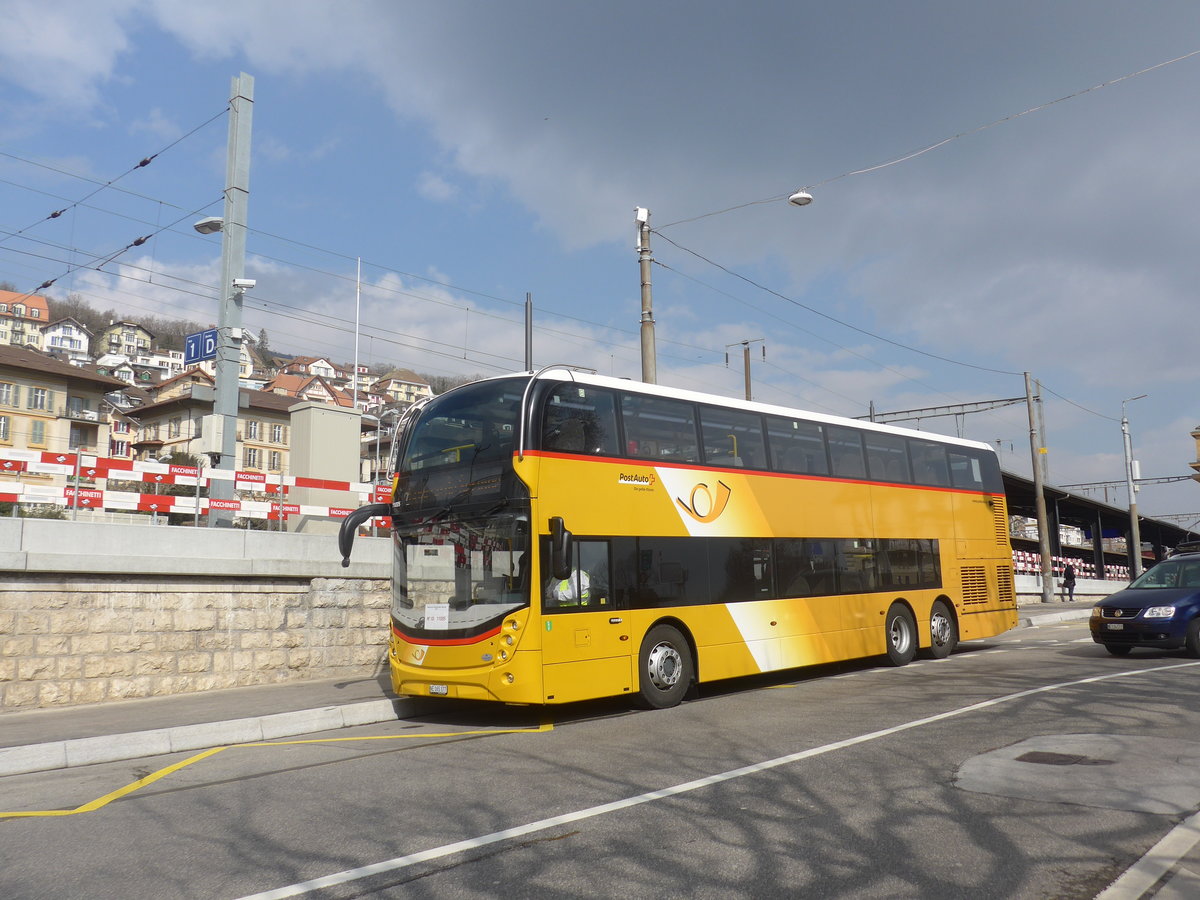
(128, 789)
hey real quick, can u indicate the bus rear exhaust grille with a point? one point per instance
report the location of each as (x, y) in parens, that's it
(1004, 581)
(1000, 521)
(974, 585)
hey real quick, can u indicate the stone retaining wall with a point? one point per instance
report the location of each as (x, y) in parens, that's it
(69, 640)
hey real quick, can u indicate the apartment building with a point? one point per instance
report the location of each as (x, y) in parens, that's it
(128, 339)
(21, 319)
(48, 404)
(402, 387)
(68, 338)
(176, 422)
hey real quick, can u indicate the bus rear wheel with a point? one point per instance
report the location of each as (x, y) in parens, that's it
(901, 631)
(665, 668)
(943, 631)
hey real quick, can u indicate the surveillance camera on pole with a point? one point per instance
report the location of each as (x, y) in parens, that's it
(244, 284)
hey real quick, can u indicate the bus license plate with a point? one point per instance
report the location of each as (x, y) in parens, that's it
(1116, 626)
(440, 689)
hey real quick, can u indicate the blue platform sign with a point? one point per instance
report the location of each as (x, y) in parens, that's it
(199, 347)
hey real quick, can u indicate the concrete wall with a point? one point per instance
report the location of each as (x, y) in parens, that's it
(95, 612)
(1029, 589)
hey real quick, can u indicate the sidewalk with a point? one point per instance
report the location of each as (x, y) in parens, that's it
(43, 739)
(56, 738)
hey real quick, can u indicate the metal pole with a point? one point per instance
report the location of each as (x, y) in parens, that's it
(1135, 532)
(528, 332)
(746, 365)
(357, 304)
(233, 263)
(1035, 450)
(1041, 418)
(649, 363)
(75, 506)
(199, 478)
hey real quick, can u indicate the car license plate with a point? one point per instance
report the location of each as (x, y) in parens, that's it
(439, 689)
(1115, 626)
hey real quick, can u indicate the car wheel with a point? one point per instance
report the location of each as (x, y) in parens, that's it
(900, 629)
(665, 668)
(1118, 649)
(943, 631)
(1193, 638)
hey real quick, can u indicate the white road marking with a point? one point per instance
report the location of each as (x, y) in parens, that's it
(401, 862)
(1157, 862)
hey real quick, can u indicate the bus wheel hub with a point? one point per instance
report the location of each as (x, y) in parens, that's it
(664, 666)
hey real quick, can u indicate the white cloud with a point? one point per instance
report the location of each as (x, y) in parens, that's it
(434, 187)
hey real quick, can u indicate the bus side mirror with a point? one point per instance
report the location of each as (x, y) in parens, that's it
(349, 526)
(560, 549)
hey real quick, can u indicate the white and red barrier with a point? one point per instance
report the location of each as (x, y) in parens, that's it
(89, 468)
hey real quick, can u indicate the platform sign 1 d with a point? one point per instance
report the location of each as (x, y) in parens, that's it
(200, 346)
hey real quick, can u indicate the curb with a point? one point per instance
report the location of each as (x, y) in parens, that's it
(1050, 618)
(160, 741)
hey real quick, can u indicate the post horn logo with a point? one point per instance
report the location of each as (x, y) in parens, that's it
(702, 505)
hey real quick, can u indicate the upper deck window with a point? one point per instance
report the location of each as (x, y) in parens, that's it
(732, 438)
(929, 462)
(797, 446)
(660, 429)
(887, 457)
(846, 452)
(580, 419)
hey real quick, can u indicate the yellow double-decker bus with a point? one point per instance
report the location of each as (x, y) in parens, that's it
(561, 536)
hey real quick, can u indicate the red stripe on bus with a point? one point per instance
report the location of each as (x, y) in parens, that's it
(445, 642)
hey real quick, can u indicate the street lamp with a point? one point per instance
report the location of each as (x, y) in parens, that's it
(1135, 533)
(233, 283)
(641, 218)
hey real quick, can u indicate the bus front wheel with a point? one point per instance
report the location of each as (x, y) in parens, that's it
(943, 630)
(665, 668)
(901, 629)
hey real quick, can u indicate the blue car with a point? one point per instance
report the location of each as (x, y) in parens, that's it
(1159, 609)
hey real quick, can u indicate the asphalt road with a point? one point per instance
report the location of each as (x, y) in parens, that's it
(1032, 765)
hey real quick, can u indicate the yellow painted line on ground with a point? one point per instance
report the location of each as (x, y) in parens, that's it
(101, 802)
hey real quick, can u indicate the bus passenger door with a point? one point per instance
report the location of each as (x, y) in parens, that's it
(585, 635)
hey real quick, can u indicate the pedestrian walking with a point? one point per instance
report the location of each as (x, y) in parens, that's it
(1068, 583)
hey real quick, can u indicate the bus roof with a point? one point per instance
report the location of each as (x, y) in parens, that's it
(565, 372)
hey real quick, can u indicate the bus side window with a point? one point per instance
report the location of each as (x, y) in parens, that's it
(587, 588)
(580, 420)
(846, 452)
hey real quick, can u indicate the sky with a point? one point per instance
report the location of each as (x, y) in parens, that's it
(468, 153)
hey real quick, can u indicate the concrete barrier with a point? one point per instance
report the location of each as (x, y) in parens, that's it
(91, 612)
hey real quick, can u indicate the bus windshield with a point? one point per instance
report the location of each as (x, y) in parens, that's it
(460, 515)
(455, 574)
(460, 448)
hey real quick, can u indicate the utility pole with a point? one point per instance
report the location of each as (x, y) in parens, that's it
(1041, 418)
(1135, 531)
(528, 332)
(233, 286)
(745, 345)
(649, 373)
(1043, 527)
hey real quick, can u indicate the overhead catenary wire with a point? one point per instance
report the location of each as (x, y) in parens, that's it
(824, 315)
(101, 186)
(913, 154)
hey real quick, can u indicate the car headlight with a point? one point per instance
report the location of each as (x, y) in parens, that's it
(1097, 612)
(1159, 612)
